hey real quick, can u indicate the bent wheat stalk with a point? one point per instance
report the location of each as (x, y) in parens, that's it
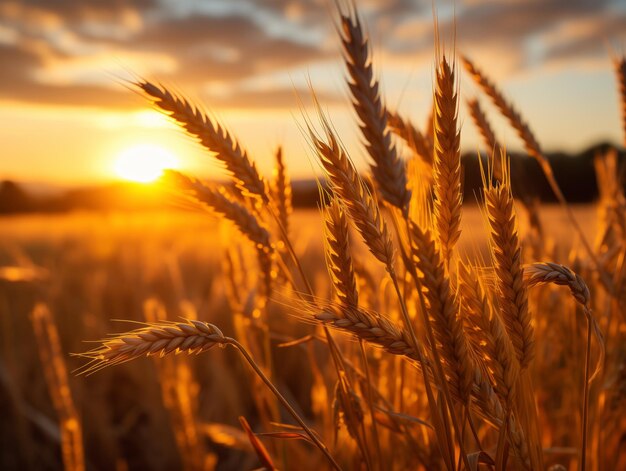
(192, 337)
(548, 272)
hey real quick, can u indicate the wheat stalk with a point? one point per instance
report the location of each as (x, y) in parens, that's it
(490, 408)
(548, 272)
(534, 150)
(447, 161)
(482, 123)
(192, 337)
(347, 408)
(388, 169)
(218, 200)
(55, 372)
(212, 136)
(365, 213)
(339, 262)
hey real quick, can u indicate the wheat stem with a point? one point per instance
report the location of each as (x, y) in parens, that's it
(313, 436)
(193, 337)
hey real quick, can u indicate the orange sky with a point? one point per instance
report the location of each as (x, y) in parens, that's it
(66, 114)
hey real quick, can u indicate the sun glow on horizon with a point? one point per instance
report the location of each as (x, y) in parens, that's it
(144, 163)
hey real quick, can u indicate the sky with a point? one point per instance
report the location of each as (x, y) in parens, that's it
(68, 113)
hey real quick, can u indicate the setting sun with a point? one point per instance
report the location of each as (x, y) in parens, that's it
(144, 163)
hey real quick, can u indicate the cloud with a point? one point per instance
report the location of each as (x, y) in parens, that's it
(56, 48)
(17, 84)
(48, 40)
(518, 34)
(73, 11)
(223, 48)
(275, 98)
(585, 38)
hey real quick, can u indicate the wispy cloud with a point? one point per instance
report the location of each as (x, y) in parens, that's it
(64, 52)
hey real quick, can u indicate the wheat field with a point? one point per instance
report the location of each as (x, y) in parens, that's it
(397, 327)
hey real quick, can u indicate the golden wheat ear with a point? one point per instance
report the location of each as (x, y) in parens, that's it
(506, 253)
(338, 257)
(507, 110)
(192, 337)
(447, 160)
(160, 338)
(487, 334)
(213, 136)
(370, 327)
(362, 207)
(419, 143)
(388, 168)
(443, 308)
(282, 191)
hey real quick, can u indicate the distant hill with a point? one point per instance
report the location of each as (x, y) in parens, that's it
(574, 173)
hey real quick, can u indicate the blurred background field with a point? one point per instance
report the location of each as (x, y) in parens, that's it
(91, 268)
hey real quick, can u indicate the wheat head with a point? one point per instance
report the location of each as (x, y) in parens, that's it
(443, 309)
(447, 161)
(417, 142)
(507, 110)
(507, 258)
(362, 207)
(489, 338)
(212, 136)
(159, 338)
(338, 256)
(388, 168)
